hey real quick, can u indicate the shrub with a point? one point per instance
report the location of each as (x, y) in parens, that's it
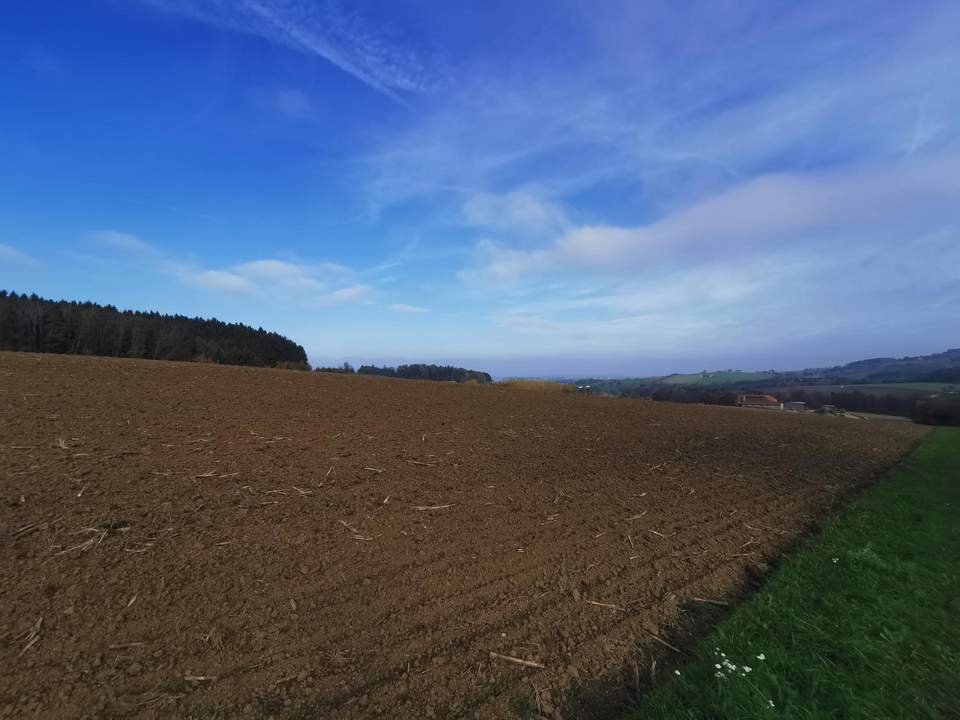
(345, 369)
(938, 410)
(285, 365)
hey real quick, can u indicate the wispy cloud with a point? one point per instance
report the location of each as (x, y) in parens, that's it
(624, 178)
(12, 256)
(347, 294)
(706, 178)
(287, 275)
(219, 280)
(745, 91)
(324, 283)
(279, 280)
(756, 305)
(123, 241)
(290, 102)
(324, 29)
(875, 200)
(404, 308)
(518, 213)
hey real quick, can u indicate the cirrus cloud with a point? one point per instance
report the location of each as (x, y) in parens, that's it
(404, 308)
(123, 241)
(519, 212)
(346, 294)
(917, 196)
(325, 30)
(220, 281)
(11, 255)
(324, 283)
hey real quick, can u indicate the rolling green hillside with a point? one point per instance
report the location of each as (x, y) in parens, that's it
(891, 386)
(923, 374)
(719, 377)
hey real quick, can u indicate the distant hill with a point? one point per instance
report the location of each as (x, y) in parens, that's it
(718, 377)
(937, 368)
(35, 324)
(940, 367)
(892, 386)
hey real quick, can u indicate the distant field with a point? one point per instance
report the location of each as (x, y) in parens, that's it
(717, 378)
(879, 389)
(878, 416)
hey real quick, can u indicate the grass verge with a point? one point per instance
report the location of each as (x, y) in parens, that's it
(863, 621)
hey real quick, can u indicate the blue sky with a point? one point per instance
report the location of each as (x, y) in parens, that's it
(529, 188)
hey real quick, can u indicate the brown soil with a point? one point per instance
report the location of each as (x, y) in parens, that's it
(183, 540)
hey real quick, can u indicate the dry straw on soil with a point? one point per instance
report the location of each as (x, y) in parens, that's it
(196, 541)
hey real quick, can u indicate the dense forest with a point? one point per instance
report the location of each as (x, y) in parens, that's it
(420, 371)
(34, 324)
(417, 371)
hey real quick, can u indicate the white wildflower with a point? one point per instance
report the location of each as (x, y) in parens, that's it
(771, 703)
(677, 673)
(761, 656)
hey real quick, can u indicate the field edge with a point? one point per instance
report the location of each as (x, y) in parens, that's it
(857, 622)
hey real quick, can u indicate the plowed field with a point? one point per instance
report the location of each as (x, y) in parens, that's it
(199, 541)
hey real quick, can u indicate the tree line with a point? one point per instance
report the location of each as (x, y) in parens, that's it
(416, 371)
(35, 324)
(935, 410)
(938, 410)
(856, 400)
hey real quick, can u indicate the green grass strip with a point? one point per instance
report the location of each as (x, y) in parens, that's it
(863, 621)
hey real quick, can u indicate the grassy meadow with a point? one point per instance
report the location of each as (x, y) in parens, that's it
(859, 623)
(720, 377)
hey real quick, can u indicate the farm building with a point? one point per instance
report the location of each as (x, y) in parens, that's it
(767, 401)
(796, 405)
